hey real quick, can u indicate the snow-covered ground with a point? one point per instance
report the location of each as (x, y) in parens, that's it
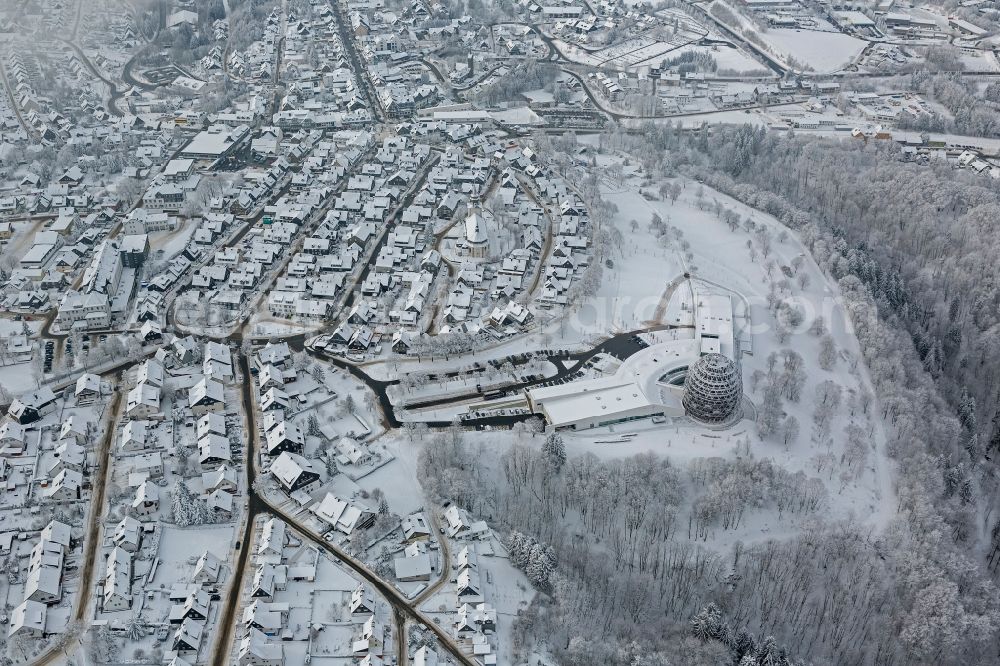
(173, 242)
(721, 256)
(17, 377)
(727, 57)
(398, 479)
(823, 51)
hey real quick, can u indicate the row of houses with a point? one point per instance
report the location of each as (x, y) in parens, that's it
(43, 585)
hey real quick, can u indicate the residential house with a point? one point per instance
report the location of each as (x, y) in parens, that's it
(294, 473)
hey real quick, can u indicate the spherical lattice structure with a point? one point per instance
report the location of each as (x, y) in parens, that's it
(713, 388)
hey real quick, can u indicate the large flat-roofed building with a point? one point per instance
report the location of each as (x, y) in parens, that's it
(896, 20)
(713, 319)
(164, 197)
(44, 247)
(84, 311)
(593, 403)
(38, 255)
(562, 12)
(178, 170)
(142, 221)
(640, 388)
(216, 142)
(769, 4)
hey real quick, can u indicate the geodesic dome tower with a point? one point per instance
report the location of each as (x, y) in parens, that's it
(713, 388)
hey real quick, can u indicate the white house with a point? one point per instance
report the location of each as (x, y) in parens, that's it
(207, 569)
(256, 649)
(28, 619)
(213, 450)
(143, 402)
(128, 535)
(272, 540)
(12, 438)
(45, 568)
(342, 515)
(147, 499)
(206, 396)
(88, 388)
(66, 486)
(294, 473)
(187, 638)
(117, 588)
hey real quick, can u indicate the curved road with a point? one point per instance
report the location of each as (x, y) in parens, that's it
(379, 387)
(112, 102)
(402, 607)
(768, 60)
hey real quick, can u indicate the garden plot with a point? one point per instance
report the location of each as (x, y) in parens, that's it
(499, 585)
(627, 54)
(397, 479)
(334, 629)
(333, 404)
(180, 548)
(633, 51)
(331, 643)
(166, 578)
(18, 378)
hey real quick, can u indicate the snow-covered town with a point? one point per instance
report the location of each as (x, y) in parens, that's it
(497, 333)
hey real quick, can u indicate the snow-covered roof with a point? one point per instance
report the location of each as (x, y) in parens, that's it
(340, 513)
(272, 537)
(211, 423)
(150, 372)
(207, 568)
(475, 229)
(128, 532)
(88, 382)
(118, 576)
(213, 447)
(635, 386)
(288, 467)
(143, 395)
(28, 617)
(207, 391)
(255, 648)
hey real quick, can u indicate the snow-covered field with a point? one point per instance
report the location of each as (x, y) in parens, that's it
(517, 116)
(727, 57)
(823, 51)
(398, 479)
